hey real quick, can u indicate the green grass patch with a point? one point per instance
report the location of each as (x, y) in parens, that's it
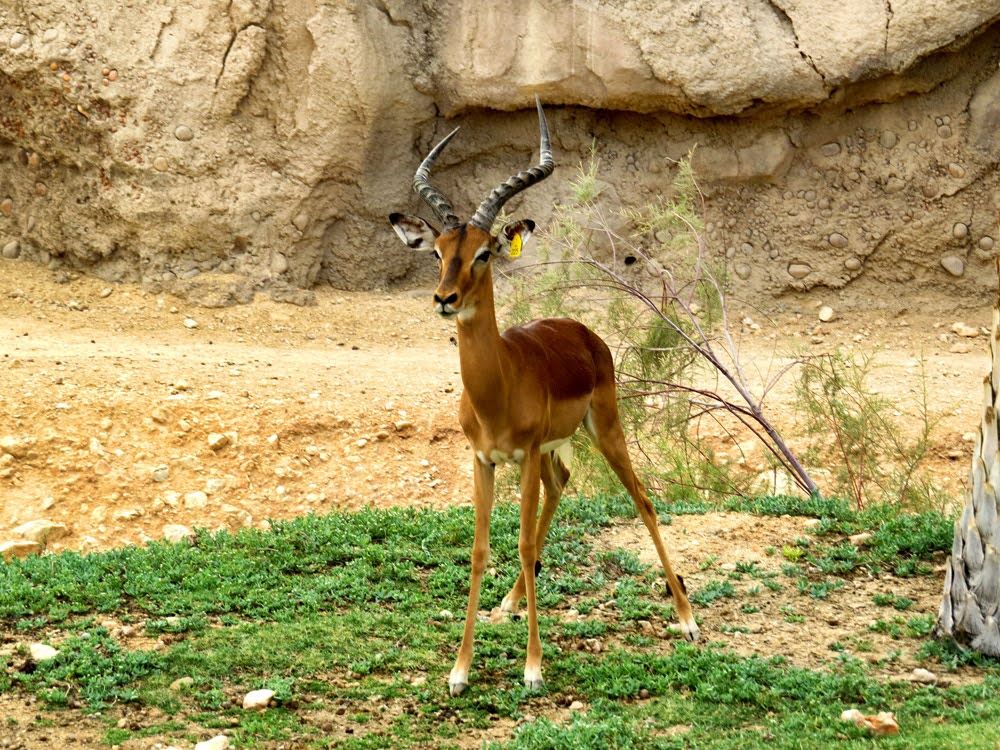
(344, 617)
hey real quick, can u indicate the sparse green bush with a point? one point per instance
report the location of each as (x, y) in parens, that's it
(860, 434)
(643, 279)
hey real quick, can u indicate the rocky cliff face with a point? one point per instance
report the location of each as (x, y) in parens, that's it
(260, 143)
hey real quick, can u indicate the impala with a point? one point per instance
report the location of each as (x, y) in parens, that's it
(527, 391)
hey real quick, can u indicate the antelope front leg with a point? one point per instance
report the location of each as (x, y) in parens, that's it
(484, 476)
(528, 547)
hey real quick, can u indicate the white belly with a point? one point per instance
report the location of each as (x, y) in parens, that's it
(516, 456)
(500, 457)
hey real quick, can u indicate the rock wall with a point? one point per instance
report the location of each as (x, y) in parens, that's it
(217, 147)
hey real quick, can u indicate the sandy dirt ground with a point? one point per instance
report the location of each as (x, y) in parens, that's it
(125, 413)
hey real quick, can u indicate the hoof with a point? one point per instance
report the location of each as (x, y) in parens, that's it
(508, 605)
(533, 680)
(534, 686)
(458, 681)
(690, 631)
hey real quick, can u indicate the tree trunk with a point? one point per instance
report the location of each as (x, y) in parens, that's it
(970, 608)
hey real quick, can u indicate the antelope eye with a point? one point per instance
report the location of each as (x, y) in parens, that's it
(437, 255)
(483, 256)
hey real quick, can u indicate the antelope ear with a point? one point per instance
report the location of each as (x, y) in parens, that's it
(414, 231)
(513, 236)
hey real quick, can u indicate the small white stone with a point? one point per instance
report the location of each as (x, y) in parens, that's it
(860, 540)
(826, 314)
(41, 652)
(257, 699)
(196, 499)
(576, 706)
(41, 531)
(966, 331)
(219, 742)
(176, 533)
(16, 447)
(923, 676)
(217, 441)
(181, 683)
(190, 323)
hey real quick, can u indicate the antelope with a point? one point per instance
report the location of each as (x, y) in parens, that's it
(526, 392)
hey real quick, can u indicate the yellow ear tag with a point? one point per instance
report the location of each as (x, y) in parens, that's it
(515, 246)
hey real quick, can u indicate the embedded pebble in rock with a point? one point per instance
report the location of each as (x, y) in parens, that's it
(960, 231)
(12, 250)
(826, 314)
(17, 40)
(279, 263)
(888, 139)
(6, 207)
(190, 323)
(830, 149)
(258, 699)
(743, 270)
(301, 221)
(219, 742)
(956, 170)
(176, 533)
(953, 265)
(944, 131)
(160, 164)
(183, 133)
(19, 549)
(161, 473)
(42, 652)
(799, 270)
(986, 243)
(41, 531)
(838, 240)
(50, 35)
(894, 185)
(852, 264)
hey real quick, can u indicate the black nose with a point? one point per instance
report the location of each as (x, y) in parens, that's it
(447, 300)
